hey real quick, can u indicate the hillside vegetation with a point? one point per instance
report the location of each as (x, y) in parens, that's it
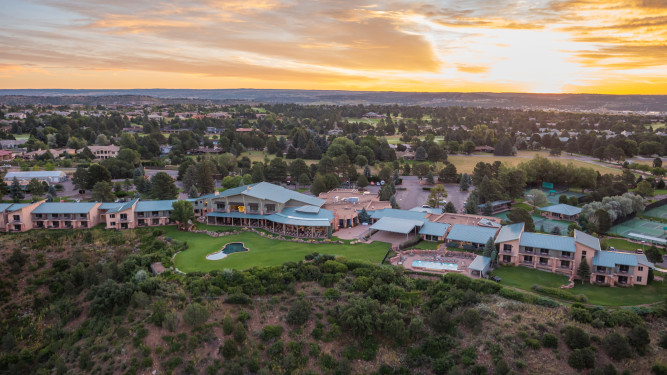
(75, 302)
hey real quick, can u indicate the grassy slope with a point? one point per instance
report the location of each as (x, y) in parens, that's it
(263, 251)
(524, 278)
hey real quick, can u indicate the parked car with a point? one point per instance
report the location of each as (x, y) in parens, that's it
(426, 206)
(382, 183)
(640, 251)
(495, 278)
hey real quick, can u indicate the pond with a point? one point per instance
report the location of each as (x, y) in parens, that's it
(230, 248)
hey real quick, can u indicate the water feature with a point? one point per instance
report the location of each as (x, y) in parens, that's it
(440, 266)
(230, 248)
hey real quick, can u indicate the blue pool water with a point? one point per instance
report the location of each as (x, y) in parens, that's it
(435, 265)
(232, 247)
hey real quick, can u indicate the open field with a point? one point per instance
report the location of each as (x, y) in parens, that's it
(524, 278)
(260, 155)
(263, 251)
(466, 163)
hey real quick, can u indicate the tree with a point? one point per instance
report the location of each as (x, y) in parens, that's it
(319, 185)
(489, 248)
(16, 191)
(463, 184)
(35, 188)
(584, 270)
(438, 192)
(304, 179)
(367, 171)
(536, 197)
(653, 254)
(487, 209)
(448, 173)
(562, 199)
(616, 346)
(555, 230)
(421, 170)
(429, 178)
(299, 312)
(193, 192)
(420, 154)
(449, 208)
(195, 315)
(163, 187)
(657, 163)
(183, 214)
(364, 217)
(97, 173)
(644, 189)
(4, 188)
(602, 219)
(205, 180)
(520, 215)
(471, 206)
(80, 178)
(86, 154)
(101, 192)
(257, 172)
(362, 181)
(468, 147)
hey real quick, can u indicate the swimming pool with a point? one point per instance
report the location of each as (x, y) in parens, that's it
(440, 266)
(230, 248)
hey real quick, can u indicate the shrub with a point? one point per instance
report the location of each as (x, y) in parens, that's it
(227, 324)
(271, 332)
(513, 294)
(470, 318)
(625, 318)
(550, 341)
(229, 349)
(659, 369)
(639, 338)
(299, 312)
(533, 343)
(239, 333)
(332, 266)
(575, 337)
(238, 299)
(581, 315)
(581, 359)
(663, 341)
(616, 346)
(195, 315)
(501, 368)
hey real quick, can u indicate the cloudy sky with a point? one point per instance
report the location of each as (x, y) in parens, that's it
(610, 46)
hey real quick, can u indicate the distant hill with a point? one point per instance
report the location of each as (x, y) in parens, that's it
(570, 102)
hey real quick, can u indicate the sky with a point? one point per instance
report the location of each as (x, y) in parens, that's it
(543, 46)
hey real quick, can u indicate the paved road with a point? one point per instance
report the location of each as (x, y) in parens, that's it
(456, 196)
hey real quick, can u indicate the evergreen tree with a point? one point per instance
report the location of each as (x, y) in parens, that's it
(190, 178)
(101, 192)
(487, 210)
(364, 217)
(205, 179)
(367, 171)
(291, 152)
(319, 185)
(16, 191)
(362, 181)
(429, 178)
(163, 187)
(393, 202)
(471, 206)
(80, 178)
(257, 172)
(584, 270)
(489, 248)
(35, 188)
(193, 192)
(449, 208)
(463, 184)
(519, 215)
(420, 154)
(4, 188)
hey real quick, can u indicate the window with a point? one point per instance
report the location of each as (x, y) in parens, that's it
(640, 268)
(507, 258)
(17, 217)
(113, 216)
(639, 279)
(507, 247)
(624, 268)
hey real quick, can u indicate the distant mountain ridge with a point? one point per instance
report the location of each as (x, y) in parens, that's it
(572, 102)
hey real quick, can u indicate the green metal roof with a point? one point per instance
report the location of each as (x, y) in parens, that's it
(434, 229)
(11, 207)
(470, 233)
(146, 206)
(563, 209)
(612, 258)
(64, 208)
(268, 191)
(494, 203)
(480, 263)
(587, 240)
(510, 232)
(396, 225)
(117, 207)
(398, 214)
(308, 209)
(548, 241)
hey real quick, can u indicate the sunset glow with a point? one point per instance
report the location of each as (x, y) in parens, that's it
(613, 47)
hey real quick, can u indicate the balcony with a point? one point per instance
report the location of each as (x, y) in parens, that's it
(140, 214)
(567, 256)
(524, 251)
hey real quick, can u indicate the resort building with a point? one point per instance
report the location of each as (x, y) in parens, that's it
(15, 217)
(347, 203)
(51, 177)
(561, 212)
(103, 152)
(270, 207)
(470, 236)
(560, 254)
(68, 215)
(496, 207)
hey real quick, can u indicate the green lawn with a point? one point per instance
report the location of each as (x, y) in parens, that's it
(619, 243)
(263, 251)
(425, 245)
(524, 278)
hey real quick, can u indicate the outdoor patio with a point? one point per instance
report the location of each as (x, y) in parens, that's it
(462, 260)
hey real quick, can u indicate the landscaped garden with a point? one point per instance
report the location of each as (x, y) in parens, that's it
(262, 251)
(524, 278)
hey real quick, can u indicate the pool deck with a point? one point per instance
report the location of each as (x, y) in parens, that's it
(405, 258)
